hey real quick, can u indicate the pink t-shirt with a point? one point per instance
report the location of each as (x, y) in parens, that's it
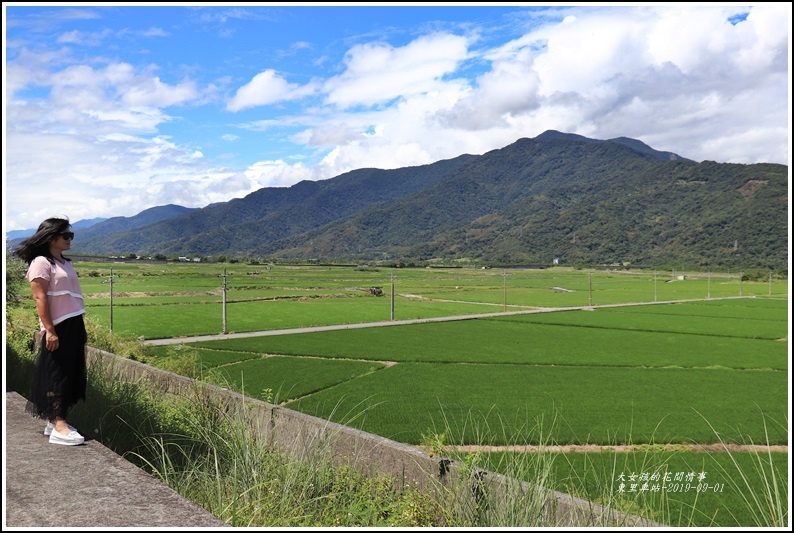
(63, 293)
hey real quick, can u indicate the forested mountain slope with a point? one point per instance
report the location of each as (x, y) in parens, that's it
(556, 196)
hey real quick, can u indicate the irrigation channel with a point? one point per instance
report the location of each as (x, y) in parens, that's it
(710, 448)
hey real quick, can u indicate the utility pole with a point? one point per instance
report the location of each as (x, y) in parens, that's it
(110, 281)
(392, 296)
(504, 290)
(224, 301)
(590, 289)
(655, 293)
(708, 290)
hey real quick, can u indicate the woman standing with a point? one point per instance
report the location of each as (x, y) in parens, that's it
(59, 379)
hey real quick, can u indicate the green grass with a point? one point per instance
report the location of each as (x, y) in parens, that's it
(212, 456)
(276, 379)
(512, 340)
(646, 373)
(186, 298)
(649, 405)
(679, 488)
(640, 384)
(527, 368)
(205, 317)
(758, 308)
(654, 403)
(626, 319)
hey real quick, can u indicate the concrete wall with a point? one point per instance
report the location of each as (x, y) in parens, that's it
(305, 436)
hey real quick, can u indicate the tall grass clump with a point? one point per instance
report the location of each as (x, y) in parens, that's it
(123, 345)
(182, 360)
(661, 483)
(615, 480)
(504, 489)
(509, 503)
(20, 348)
(762, 487)
(227, 467)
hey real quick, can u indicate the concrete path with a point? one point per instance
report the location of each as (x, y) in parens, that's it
(199, 338)
(87, 486)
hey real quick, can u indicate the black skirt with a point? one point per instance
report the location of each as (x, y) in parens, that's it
(59, 378)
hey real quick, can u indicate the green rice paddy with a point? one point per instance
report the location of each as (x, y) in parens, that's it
(697, 358)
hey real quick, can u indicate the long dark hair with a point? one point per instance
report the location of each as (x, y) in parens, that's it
(39, 243)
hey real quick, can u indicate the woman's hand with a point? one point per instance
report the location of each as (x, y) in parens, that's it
(52, 340)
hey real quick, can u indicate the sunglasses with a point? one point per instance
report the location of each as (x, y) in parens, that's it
(68, 235)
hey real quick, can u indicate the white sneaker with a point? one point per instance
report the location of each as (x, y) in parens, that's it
(72, 439)
(49, 427)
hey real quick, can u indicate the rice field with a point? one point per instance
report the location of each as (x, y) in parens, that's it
(696, 358)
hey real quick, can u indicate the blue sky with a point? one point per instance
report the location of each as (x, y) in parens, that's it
(113, 109)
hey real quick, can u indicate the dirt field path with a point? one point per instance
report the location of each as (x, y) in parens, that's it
(711, 448)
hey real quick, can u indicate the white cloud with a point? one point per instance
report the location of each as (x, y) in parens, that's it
(378, 72)
(277, 174)
(266, 88)
(511, 88)
(156, 93)
(126, 136)
(155, 32)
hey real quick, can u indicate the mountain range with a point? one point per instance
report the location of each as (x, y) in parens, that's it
(556, 198)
